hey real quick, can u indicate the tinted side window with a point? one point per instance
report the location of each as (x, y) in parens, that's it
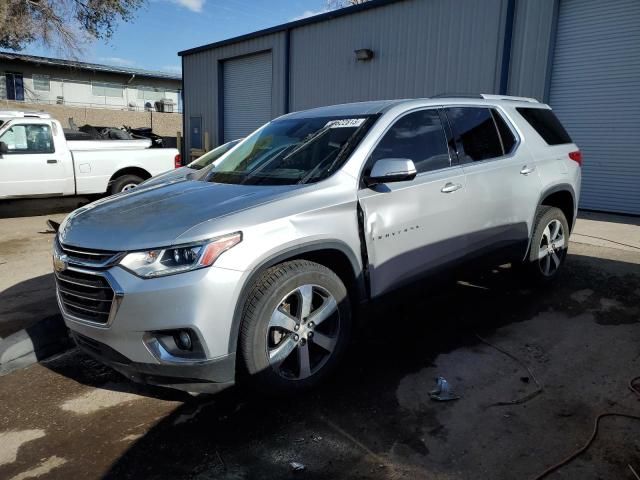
(475, 133)
(506, 135)
(418, 136)
(28, 139)
(545, 122)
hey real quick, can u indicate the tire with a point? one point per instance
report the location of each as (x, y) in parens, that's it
(548, 249)
(124, 182)
(280, 357)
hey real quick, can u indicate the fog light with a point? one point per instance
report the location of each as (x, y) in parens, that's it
(183, 340)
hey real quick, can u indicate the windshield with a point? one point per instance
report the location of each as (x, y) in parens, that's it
(210, 157)
(290, 151)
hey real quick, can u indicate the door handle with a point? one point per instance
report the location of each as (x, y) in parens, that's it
(451, 187)
(53, 160)
(527, 170)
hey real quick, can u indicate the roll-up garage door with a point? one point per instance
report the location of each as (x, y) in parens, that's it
(595, 91)
(247, 94)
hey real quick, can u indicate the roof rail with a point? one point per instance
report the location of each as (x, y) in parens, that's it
(456, 95)
(21, 114)
(508, 97)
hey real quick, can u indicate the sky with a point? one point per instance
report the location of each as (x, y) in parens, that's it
(164, 27)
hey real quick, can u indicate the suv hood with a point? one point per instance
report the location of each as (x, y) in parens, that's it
(155, 216)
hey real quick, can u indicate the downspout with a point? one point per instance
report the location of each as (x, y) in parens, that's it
(551, 52)
(506, 47)
(183, 147)
(287, 68)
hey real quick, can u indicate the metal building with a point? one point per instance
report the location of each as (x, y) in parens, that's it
(581, 56)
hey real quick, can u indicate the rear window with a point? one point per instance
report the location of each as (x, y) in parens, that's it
(545, 122)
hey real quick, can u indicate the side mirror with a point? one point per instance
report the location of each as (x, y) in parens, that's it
(3, 148)
(387, 170)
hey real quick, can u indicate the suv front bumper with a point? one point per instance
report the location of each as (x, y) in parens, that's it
(209, 376)
(202, 301)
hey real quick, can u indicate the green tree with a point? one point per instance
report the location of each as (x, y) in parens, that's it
(62, 24)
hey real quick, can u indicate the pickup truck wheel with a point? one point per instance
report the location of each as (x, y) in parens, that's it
(549, 244)
(295, 328)
(125, 182)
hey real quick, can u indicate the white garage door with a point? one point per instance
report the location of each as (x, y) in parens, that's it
(595, 91)
(247, 94)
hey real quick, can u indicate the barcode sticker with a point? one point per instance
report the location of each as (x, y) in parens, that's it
(345, 123)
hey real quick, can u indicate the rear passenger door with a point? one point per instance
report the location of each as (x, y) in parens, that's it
(501, 178)
(414, 226)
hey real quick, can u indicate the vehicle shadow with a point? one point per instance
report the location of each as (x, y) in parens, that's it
(33, 207)
(30, 322)
(346, 427)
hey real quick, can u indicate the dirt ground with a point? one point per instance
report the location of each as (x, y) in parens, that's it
(72, 418)
(27, 290)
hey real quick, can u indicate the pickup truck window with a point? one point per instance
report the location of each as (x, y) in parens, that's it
(418, 136)
(291, 151)
(28, 139)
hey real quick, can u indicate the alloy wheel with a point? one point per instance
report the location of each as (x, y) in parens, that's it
(303, 332)
(551, 248)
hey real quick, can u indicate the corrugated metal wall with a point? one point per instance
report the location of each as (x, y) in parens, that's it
(201, 76)
(530, 52)
(595, 91)
(419, 46)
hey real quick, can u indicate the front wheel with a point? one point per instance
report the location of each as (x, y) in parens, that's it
(296, 325)
(124, 183)
(549, 244)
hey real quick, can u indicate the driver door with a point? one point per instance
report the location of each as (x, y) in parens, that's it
(30, 166)
(413, 227)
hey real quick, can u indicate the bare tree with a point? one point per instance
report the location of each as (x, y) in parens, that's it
(62, 24)
(335, 4)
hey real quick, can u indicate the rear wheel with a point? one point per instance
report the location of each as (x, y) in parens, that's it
(295, 328)
(124, 183)
(549, 244)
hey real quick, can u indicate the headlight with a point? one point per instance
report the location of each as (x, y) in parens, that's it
(181, 258)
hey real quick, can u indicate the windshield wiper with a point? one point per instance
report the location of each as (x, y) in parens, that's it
(312, 138)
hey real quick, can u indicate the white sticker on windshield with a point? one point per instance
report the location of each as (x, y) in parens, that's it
(345, 123)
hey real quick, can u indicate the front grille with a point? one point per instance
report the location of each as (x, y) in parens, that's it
(85, 296)
(90, 258)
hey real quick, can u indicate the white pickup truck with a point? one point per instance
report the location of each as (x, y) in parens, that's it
(36, 160)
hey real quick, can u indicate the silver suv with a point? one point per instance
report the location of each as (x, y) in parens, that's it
(253, 268)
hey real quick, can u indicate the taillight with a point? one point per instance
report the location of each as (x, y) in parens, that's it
(177, 161)
(576, 157)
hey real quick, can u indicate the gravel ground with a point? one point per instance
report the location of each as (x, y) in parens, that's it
(69, 417)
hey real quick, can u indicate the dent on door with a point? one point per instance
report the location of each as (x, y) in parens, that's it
(411, 230)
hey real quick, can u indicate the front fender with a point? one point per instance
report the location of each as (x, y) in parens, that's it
(283, 255)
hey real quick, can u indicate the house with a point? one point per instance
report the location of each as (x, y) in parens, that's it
(580, 56)
(53, 81)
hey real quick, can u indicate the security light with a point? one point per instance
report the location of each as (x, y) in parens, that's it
(364, 54)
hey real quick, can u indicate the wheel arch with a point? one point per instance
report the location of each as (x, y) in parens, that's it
(563, 197)
(335, 255)
(138, 171)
